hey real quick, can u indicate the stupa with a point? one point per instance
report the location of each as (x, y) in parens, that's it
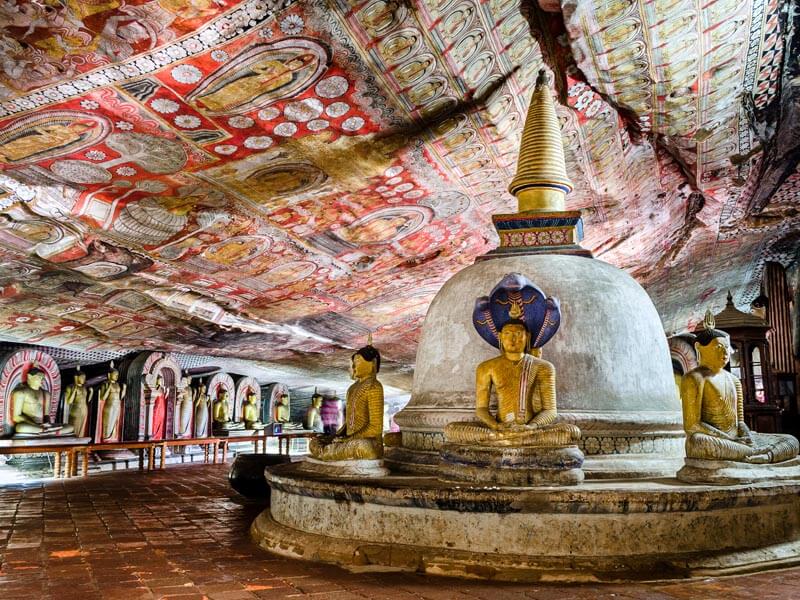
(629, 518)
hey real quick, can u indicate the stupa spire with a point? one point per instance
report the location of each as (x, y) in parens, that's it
(541, 183)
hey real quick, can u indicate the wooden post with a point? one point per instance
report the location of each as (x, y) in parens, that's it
(57, 465)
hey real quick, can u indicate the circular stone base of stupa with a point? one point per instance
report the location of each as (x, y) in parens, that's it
(599, 531)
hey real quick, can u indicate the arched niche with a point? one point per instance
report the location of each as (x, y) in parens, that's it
(141, 376)
(14, 367)
(269, 399)
(219, 383)
(245, 385)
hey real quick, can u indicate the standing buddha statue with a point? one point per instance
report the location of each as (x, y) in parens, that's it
(76, 404)
(313, 419)
(201, 409)
(183, 410)
(110, 396)
(361, 437)
(159, 418)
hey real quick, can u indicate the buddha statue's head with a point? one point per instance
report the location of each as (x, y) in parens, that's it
(712, 345)
(316, 400)
(284, 399)
(514, 337)
(35, 378)
(79, 378)
(365, 362)
(202, 388)
(224, 395)
(113, 375)
(159, 380)
(251, 397)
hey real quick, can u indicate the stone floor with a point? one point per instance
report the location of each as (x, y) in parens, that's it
(182, 533)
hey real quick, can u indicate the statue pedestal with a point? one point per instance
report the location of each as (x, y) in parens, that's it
(343, 468)
(602, 530)
(512, 466)
(728, 472)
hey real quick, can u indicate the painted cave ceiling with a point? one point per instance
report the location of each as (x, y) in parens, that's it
(267, 179)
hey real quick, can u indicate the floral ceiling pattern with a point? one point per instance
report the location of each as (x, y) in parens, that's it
(267, 178)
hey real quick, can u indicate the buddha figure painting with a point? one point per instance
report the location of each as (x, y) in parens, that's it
(262, 75)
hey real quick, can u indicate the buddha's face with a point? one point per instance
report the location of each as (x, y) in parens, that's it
(284, 400)
(224, 396)
(251, 398)
(362, 367)
(316, 401)
(159, 381)
(80, 378)
(715, 355)
(35, 380)
(514, 338)
(113, 375)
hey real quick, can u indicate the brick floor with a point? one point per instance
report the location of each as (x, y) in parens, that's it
(182, 533)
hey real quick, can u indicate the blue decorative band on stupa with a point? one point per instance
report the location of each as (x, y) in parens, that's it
(557, 232)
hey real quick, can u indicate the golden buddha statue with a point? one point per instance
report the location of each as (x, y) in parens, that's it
(713, 409)
(525, 385)
(76, 404)
(313, 419)
(29, 403)
(110, 395)
(250, 412)
(282, 410)
(222, 414)
(361, 437)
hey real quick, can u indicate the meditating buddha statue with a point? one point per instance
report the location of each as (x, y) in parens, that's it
(76, 404)
(313, 419)
(222, 414)
(29, 402)
(250, 412)
(361, 437)
(525, 385)
(713, 409)
(522, 444)
(283, 414)
(111, 395)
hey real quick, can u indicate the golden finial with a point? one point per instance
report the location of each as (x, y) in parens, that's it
(541, 183)
(708, 320)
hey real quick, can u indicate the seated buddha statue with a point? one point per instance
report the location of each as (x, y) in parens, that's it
(28, 401)
(283, 413)
(250, 412)
(222, 414)
(361, 437)
(713, 409)
(313, 419)
(525, 385)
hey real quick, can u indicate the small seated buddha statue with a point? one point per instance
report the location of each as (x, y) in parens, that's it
(522, 444)
(283, 413)
(222, 414)
(250, 412)
(525, 384)
(361, 437)
(28, 401)
(713, 409)
(313, 419)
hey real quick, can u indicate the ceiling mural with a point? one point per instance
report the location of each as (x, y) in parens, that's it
(266, 178)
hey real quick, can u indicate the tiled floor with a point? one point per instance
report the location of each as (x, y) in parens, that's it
(182, 533)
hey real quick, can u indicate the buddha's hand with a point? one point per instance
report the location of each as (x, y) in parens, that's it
(744, 435)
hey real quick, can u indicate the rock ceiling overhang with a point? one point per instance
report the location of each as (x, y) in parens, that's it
(267, 179)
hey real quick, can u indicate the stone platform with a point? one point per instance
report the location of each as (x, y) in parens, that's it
(600, 531)
(507, 465)
(726, 472)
